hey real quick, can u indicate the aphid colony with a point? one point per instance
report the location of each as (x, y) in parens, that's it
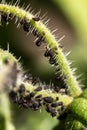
(35, 99)
(35, 95)
(39, 40)
(29, 99)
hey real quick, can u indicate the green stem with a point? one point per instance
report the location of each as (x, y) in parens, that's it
(24, 89)
(65, 70)
(79, 110)
(5, 113)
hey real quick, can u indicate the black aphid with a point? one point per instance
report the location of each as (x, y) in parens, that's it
(35, 80)
(27, 77)
(21, 89)
(32, 94)
(13, 96)
(61, 46)
(52, 60)
(35, 106)
(57, 98)
(48, 99)
(25, 105)
(49, 53)
(53, 113)
(6, 61)
(36, 19)
(21, 100)
(60, 103)
(61, 80)
(48, 108)
(35, 32)
(38, 96)
(26, 24)
(5, 17)
(54, 104)
(46, 86)
(63, 107)
(38, 89)
(57, 89)
(28, 97)
(38, 42)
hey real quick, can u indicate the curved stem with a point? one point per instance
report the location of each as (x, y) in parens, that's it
(25, 92)
(61, 61)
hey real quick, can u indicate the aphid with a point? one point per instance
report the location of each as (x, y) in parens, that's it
(54, 104)
(27, 76)
(35, 80)
(25, 105)
(48, 99)
(6, 61)
(35, 106)
(53, 113)
(13, 96)
(32, 94)
(61, 46)
(57, 98)
(56, 64)
(60, 79)
(57, 89)
(38, 42)
(28, 97)
(35, 32)
(48, 108)
(26, 27)
(38, 96)
(22, 21)
(58, 69)
(52, 60)
(26, 24)
(60, 103)
(21, 89)
(21, 100)
(38, 89)
(46, 87)
(10, 15)
(49, 52)
(36, 19)
(5, 17)
(63, 107)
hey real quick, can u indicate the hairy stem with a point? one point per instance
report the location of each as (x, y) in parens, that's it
(5, 117)
(79, 110)
(28, 93)
(61, 62)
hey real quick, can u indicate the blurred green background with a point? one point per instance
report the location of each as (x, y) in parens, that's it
(69, 17)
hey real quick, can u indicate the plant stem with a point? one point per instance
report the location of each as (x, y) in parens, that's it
(65, 70)
(5, 113)
(24, 93)
(78, 109)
